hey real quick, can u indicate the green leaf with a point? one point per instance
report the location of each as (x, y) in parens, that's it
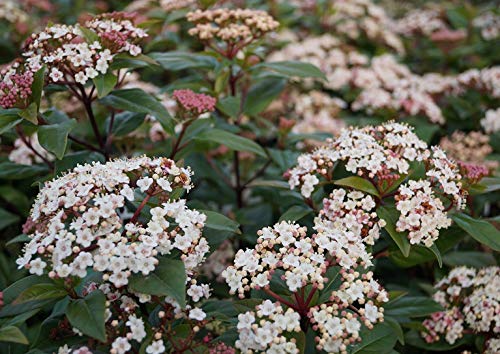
(87, 315)
(37, 87)
(358, 183)
(390, 215)
(481, 230)
(436, 252)
(7, 218)
(295, 213)
(411, 306)
(30, 113)
(292, 69)
(127, 122)
(12, 334)
(12, 171)
(175, 61)
(232, 141)
(379, 340)
(270, 184)
(261, 95)
(396, 327)
(22, 238)
(220, 222)
(486, 185)
(9, 118)
(43, 291)
(168, 279)
(229, 105)
(54, 137)
(469, 258)
(127, 61)
(136, 100)
(414, 338)
(105, 83)
(89, 35)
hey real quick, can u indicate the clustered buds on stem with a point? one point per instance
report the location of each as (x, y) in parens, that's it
(15, 86)
(382, 155)
(470, 299)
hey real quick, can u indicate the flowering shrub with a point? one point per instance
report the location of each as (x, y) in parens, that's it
(184, 176)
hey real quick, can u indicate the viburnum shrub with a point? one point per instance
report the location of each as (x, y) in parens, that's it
(222, 177)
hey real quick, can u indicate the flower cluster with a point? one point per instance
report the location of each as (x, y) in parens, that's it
(491, 121)
(381, 153)
(356, 18)
(194, 103)
(489, 25)
(235, 27)
(173, 5)
(79, 220)
(284, 246)
(472, 148)
(338, 322)
(470, 299)
(15, 86)
(263, 330)
(346, 225)
(28, 151)
(421, 22)
(12, 12)
(284, 253)
(76, 54)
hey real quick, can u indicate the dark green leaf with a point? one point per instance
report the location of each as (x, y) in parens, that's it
(414, 338)
(136, 100)
(11, 170)
(295, 213)
(9, 118)
(30, 113)
(43, 291)
(390, 215)
(230, 106)
(175, 61)
(262, 94)
(168, 279)
(220, 222)
(481, 230)
(396, 327)
(37, 87)
(127, 122)
(379, 340)
(7, 218)
(292, 69)
(358, 183)
(54, 137)
(105, 83)
(87, 315)
(411, 306)
(12, 334)
(469, 258)
(89, 35)
(232, 141)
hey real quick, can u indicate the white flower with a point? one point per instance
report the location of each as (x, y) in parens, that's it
(156, 347)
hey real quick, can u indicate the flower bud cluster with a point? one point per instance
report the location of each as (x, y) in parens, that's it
(362, 18)
(346, 225)
(15, 86)
(194, 103)
(381, 152)
(489, 25)
(231, 25)
(80, 53)
(80, 220)
(263, 330)
(470, 299)
(338, 323)
(284, 246)
(491, 121)
(472, 147)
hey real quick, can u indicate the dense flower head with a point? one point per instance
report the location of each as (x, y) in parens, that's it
(346, 226)
(194, 103)
(338, 322)
(421, 22)
(382, 155)
(356, 18)
(80, 220)
(172, 5)
(234, 26)
(12, 12)
(470, 299)
(489, 25)
(491, 121)
(469, 149)
(15, 86)
(80, 53)
(263, 329)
